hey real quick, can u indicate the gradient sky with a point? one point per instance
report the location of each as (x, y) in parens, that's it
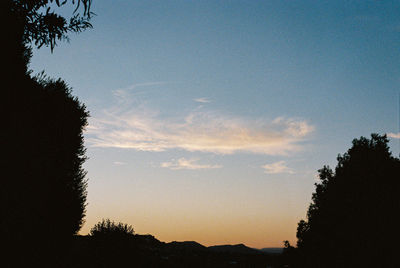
(210, 119)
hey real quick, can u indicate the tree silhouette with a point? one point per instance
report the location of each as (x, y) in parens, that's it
(43, 191)
(350, 220)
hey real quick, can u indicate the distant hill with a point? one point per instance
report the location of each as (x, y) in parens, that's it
(148, 251)
(148, 242)
(186, 246)
(272, 250)
(237, 249)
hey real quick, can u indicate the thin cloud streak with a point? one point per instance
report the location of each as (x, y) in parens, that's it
(119, 163)
(183, 163)
(394, 135)
(202, 100)
(277, 168)
(145, 84)
(124, 95)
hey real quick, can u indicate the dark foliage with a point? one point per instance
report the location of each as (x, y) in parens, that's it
(112, 244)
(289, 254)
(42, 25)
(107, 228)
(145, 251)
(239, 248)
(43, 189)
(350, 222)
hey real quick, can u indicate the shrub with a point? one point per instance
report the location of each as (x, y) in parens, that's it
(108, 228)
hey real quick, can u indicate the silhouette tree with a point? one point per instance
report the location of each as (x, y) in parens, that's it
(43, 192)
(350, 220)
(289, 254)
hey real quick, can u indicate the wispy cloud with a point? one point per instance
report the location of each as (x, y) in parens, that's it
(145, 84)
(124, 95)
(183, 163)
(203, 132)
(145, 130)
(394, 135)
(202, 100)
(119, 163)
(277, 167)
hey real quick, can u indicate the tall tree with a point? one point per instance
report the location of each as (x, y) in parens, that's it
(350, 222)
(43, 190)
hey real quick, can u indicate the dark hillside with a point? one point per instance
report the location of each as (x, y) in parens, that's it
(146, 251)
(239, 248)
(272, 250)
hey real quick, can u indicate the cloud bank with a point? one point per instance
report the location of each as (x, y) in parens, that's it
(142, 129)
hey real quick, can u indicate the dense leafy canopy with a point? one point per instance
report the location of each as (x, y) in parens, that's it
(350, 220)
(43, 191)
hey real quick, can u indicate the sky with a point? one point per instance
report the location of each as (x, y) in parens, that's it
(210, 119)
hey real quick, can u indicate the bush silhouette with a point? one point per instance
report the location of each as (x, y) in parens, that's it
(107, 228)
(113, 244)
(350, 220)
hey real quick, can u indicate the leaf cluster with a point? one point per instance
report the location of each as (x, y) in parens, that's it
(43, 26)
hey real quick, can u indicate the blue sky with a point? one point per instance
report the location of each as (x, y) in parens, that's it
(209, 119)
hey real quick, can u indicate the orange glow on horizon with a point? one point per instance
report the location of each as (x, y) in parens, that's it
(256, 233)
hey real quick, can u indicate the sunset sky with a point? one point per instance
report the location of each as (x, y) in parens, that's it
(210, 119)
